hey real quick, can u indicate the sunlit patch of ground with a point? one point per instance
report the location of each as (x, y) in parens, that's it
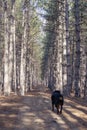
(9, 112)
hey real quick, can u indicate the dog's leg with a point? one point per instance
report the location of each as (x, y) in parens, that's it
(57, 109)
(60, 109)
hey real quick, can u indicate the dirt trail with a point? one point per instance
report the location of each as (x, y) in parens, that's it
(33, 112)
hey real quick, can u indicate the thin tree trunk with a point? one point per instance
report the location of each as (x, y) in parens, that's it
(85, 86)
(23, 53)
(14, 46)
(68, 51)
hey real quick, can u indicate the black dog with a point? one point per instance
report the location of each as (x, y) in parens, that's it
(57, 100)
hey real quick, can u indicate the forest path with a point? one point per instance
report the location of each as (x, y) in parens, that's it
(33, 112)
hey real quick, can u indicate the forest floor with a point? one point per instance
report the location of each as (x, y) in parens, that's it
(33, 112)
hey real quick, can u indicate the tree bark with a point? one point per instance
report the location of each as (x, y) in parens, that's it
(77, 58)
(7, 88)
(24, 46)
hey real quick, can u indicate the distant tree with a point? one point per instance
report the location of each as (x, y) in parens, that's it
(54, 44)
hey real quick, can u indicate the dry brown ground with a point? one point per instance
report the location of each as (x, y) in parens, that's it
(33, 112)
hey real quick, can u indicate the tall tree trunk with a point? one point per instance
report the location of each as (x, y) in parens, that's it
(11, 50)
(7, 88)
(77, 59)
(24, 46)
(14, 44)
(1, 47)
(60, 39)
(85, 86)
(23, 54)
(69, 73)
